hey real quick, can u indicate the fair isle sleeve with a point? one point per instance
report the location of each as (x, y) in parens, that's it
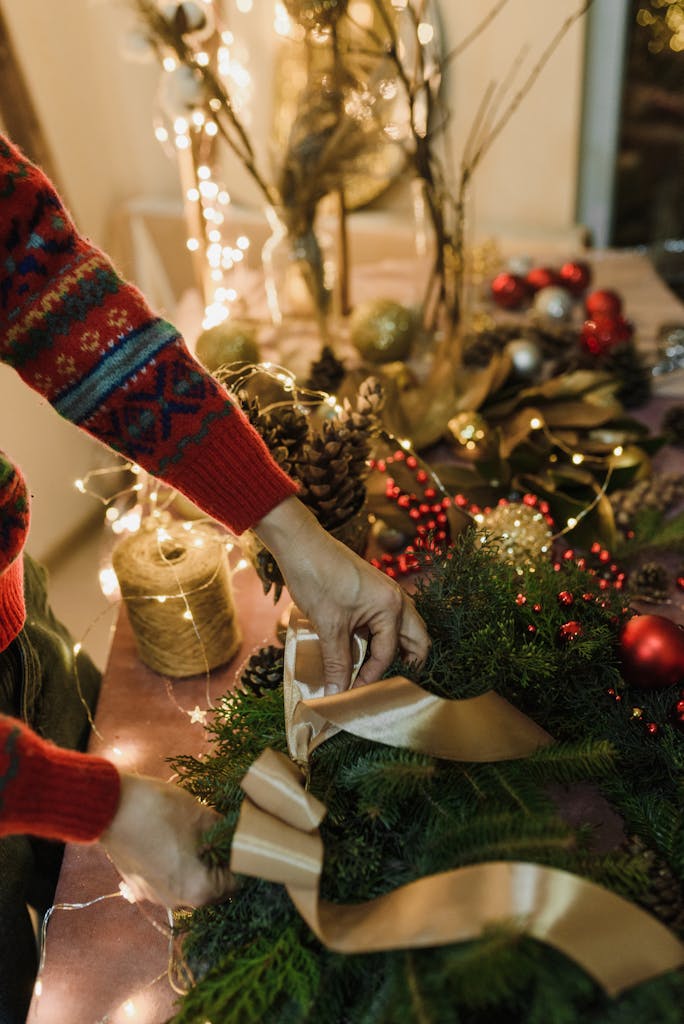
(87, 340)
(51, 792)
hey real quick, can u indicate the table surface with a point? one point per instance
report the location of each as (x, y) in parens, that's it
(102, 961)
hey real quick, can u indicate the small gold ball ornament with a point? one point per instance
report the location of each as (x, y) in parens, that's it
(233, 341)
(471, 433)
(522, 533)
(382, 330)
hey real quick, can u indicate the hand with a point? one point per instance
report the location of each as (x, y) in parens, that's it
(154, 839)
(341, 594)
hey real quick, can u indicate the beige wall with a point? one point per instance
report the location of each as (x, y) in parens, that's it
(96, 110)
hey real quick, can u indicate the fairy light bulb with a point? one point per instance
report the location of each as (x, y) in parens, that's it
(425, 33)
(203, 172)
(38, 988)
(77, 648)
(187, 615)
(182, 142)
(578, 458)
(169, 64)
(193, 195)
(80, 486)
(202, 59)
(192, 244)
(211, 128)
(535, 423)
(618, 450)
(161, 134)
(572, 523)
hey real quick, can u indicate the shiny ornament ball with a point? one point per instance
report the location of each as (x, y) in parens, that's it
(570, 631)
(509, 291)
(520, 533)
(526, 357)
(602, 333)
(566, 598)
(315, 13)
(541, 277)
(520, 265)
(652, 652)
(603, 302)
(553, 302)
(382, 330)
(233, 341)
(575, 275)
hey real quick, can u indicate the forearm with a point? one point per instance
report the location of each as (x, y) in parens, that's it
(51, 792)
(88, 341)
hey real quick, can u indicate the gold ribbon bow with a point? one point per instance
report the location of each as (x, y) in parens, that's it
(277, 838)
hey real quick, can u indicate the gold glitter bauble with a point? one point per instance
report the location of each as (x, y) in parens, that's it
(315, 13)
(522, 533)
(233, 341)
(382, 330)
(471, 433)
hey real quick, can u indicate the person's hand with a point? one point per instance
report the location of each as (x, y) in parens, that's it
(154, 839)
(341, 594)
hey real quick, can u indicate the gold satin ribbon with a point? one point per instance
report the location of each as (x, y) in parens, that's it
(277, 837)
(395, 711)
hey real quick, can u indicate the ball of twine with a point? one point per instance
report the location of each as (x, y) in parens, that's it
(177, 589)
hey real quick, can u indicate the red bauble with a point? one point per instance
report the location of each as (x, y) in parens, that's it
(566, 598)
(542, 277)
(603, 302)
(569, 631)
(575, 276)
(602, 333)
(509, 290)
(652, 652)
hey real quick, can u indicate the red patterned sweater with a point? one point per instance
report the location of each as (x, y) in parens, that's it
(87, 340)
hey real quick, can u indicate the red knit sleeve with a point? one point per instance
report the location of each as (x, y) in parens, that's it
(51, 792)
(88, 341)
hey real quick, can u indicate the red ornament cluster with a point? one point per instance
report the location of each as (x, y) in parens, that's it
(512, 291)
(424, 507)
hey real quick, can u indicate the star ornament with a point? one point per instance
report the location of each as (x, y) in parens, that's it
(197, 715)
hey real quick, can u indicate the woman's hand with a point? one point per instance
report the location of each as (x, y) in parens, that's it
(341, 594)
(154, 841)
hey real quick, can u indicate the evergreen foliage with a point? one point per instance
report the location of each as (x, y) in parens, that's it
(394, 816)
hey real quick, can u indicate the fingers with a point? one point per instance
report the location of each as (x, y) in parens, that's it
(337, 660)
(383, 646)
(414, 639)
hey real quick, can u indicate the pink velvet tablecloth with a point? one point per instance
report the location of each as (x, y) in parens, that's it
(101, 961)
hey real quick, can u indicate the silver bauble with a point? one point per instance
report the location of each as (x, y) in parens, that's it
(526, 357)
(553, 302)
(520, 265)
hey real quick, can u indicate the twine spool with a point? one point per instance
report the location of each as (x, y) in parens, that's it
(189, 577)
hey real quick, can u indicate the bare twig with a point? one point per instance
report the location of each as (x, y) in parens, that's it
(475, 32)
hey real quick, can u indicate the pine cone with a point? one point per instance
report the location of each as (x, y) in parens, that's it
(673, 425)
(650, 582)
(285, 431)
(635, 377)
(263, 671)
(356, 427)
(330, 490)
(659, 492)
(327, 373)
(664, 896)
(250, 407)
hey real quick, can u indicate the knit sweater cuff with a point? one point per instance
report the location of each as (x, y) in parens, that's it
(253, 474)
(51, 792)
(12, 607)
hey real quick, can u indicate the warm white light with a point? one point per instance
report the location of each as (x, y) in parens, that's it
(126, 892)
(198, 118)
(211, 128)
(578, 458)
(180, 126)
(572, 522)
(405, 443)
(187, 525)
(109, 584)
(202, 59)
(77, 648)
(192, 244)
(535, 423)
(223, 197)
(38, 988)
(129, 1008)
(203, 172)
(228, 38)
(209, 189)
(242, 564)
(187, 614)
(193, 195)
(618, 450)
(182, 142)
(243, 242)
(425, 33)
(161, 134)
(214, 235)
(169, 64)
(161, 598)
(80, 486)
(112, 514)
(244, 6)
